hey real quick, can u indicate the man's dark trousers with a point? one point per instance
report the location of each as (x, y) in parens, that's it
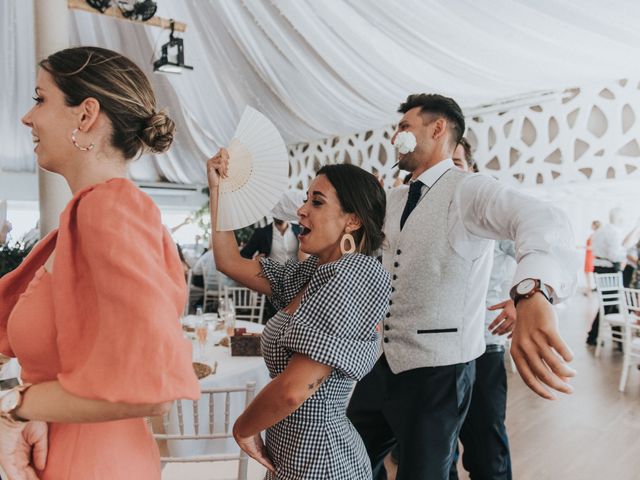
(423, 409)
(483, 435)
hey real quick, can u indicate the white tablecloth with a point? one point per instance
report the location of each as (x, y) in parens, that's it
(231, 372)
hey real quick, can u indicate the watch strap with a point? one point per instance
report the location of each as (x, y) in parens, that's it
(9, 383)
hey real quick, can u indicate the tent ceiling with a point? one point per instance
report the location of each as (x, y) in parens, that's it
(319, 69)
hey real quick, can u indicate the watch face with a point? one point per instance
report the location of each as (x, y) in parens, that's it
(525, 286)
(9, 400)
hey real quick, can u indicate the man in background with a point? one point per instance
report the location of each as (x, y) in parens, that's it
(277, 241)
(483, 434)
(610, 252)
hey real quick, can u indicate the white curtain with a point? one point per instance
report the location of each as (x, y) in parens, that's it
(335, 67)
(17, 84)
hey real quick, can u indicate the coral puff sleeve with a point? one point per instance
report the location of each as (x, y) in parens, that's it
(118, 293)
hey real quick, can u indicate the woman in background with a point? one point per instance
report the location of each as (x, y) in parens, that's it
(588, 258)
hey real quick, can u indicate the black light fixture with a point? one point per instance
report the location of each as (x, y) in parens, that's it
(100, 5)
(138, 10)
(163, 64)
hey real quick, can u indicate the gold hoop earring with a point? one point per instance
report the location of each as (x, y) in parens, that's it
(347, 237)
(75, 142)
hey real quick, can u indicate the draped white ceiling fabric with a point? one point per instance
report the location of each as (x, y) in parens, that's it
(320, 69)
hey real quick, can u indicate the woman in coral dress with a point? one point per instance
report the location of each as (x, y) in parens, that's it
(92, 313)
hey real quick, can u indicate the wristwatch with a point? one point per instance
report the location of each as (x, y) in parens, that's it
(10, 400)
(527, 288)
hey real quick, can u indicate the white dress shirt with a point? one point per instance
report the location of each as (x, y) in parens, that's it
(607, 247)
(483, 207)
(504, 266)
(284, 246)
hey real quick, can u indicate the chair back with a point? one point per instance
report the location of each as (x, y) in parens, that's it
(249, 304)
(194, 293)
(197, 420)
(630, 335)
(609, 289)
(612, 310)
(632, 304)
(213, 282)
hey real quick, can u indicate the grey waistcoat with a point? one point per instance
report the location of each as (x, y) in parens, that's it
(426, 325)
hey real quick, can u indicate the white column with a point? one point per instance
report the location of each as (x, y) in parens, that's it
(52, 34)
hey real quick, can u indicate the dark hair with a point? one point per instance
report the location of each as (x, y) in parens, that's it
(468, 156)
(439, 105)
(123, 91)
(360, 193)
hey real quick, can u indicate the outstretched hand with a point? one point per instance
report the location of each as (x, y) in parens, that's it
(538, 351)
(506, 320)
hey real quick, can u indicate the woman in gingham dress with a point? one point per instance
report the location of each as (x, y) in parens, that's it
(324, 336)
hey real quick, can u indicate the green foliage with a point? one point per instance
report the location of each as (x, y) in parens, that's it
(11, 256)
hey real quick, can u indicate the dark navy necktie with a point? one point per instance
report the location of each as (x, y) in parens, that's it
(415, 189)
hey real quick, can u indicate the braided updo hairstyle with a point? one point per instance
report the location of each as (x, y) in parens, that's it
(123, 91)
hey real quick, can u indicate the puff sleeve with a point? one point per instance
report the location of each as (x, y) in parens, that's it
(286, 280)
(118, 294)
(337, 324)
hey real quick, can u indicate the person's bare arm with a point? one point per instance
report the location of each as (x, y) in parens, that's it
(284, 395)
(50, 402)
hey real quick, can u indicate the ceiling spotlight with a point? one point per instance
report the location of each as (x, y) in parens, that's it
(141, 11)
(176, 64)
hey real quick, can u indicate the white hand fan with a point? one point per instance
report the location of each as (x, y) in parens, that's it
(258, 172)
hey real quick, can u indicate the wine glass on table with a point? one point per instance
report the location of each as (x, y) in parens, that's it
(202, 330)
(230, 317)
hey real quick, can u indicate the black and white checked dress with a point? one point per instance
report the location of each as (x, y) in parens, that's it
(336, 324)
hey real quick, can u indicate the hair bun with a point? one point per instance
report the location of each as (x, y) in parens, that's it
(158, 132)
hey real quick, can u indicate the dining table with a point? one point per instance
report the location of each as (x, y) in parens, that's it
(227, 371)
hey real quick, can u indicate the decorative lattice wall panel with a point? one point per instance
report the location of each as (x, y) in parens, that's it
(585, 134)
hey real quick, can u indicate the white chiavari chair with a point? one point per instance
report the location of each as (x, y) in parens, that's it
(193, 292)
(610, 295)
(249, 304)
(193, 422)
(213, 281)
(631, 335)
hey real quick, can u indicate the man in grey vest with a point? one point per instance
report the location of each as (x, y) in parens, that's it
(439, 254)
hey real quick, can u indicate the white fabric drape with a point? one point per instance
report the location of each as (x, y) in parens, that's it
(319, 69)
(17, 84)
